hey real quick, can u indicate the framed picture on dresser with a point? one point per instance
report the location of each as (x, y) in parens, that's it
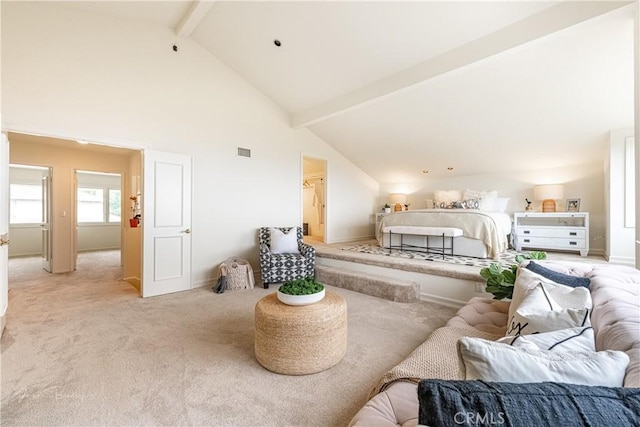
(573, 205)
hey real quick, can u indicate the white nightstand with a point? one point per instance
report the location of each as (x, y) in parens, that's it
(568, 231)
(379, 216)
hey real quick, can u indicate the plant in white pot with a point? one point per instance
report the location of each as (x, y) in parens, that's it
(387, 208)
(302, 291)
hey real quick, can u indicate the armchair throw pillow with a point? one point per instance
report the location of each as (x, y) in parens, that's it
(284, 243)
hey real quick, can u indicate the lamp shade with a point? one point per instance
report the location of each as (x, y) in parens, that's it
(548, 193)
(398, 198)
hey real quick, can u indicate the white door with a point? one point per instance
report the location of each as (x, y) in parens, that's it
(166, 223)
(45, 226)
(4, 225)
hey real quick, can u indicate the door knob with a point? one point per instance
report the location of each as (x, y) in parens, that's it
(4, 239)
(187, 231)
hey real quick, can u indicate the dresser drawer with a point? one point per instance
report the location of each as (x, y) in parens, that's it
(555, 232)
(555, 243)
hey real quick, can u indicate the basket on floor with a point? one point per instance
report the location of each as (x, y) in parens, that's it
(234, 274)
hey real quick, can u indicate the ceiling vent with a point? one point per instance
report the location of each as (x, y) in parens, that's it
(244, 152)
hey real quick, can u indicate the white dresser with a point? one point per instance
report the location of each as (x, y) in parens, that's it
(565, 231)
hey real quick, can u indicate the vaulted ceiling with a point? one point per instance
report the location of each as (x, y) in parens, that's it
(403, 87)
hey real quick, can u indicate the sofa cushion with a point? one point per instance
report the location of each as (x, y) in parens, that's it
(615, 291)
(492, 361)
(483, 314)
(565, 296)
(561, 278)
(571, 339)
(396, 406)
(535, 404)
(538, 312)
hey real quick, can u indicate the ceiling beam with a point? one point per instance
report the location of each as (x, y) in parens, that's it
(193, 17)
(548, 21)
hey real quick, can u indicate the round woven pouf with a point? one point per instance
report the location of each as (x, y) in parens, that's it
(300, 340)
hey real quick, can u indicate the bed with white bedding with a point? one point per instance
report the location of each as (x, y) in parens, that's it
(485, 234)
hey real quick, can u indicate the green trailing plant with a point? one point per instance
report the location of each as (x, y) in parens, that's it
(302, 286)
(500, 279)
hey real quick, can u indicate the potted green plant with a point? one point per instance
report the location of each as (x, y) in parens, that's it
(387, 208)
(303, 291)
(500, 279)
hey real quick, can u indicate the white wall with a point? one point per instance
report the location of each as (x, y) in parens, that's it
(585, 182)
(620, 247)
(74, 75)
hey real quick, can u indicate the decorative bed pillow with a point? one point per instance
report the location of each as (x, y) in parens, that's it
(571, 339)
(474, 403)
(563, 279)
(442, 198)
(461, 204)
(538, 312)
(564, 296)
(284, 243)
(493, 361)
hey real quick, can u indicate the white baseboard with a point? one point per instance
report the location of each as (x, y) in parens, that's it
(449, 302)
(629, 261)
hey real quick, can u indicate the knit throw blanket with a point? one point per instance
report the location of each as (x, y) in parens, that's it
(436, 358)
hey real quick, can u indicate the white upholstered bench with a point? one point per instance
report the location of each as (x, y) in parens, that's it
(443, 232)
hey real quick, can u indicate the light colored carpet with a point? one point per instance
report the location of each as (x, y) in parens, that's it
(84, 349)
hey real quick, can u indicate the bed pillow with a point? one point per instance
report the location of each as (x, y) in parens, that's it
(495, 204)
(493, 361)
(471, 403)
(284, 243)
(487, 198)
(563, 279)
(570, 339)
(444, 198)
(538, 312)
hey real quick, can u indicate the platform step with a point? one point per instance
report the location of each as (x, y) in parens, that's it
(378, 286)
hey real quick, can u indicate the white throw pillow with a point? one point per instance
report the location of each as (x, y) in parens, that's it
(538, 312)
(446, 196)
(570, 339)
(564, 296)
(284, 243)
(492, 361)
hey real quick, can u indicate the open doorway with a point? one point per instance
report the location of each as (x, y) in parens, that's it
(30, 212)
(88, 199)
(314, 180)
(98, 213)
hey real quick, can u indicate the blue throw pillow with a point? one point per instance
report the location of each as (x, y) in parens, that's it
(473, 403)
(563, 279)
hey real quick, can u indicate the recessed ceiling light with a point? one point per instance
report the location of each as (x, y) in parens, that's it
(449, 168)
(425, 171)
(277, 42)
(82, 141)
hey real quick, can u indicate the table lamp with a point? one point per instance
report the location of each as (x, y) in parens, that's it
(548, 193)
(398, 200)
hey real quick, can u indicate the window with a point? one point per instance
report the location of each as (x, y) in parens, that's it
(25, 204)
(91, 205)
(115, 211)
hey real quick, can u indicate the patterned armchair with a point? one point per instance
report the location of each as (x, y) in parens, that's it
(277, 268)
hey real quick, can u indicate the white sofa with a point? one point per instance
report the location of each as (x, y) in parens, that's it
(615, 318)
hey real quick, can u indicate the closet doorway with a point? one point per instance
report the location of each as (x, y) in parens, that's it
(314, 196)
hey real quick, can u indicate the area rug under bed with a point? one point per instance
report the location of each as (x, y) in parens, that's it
(508, 257)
